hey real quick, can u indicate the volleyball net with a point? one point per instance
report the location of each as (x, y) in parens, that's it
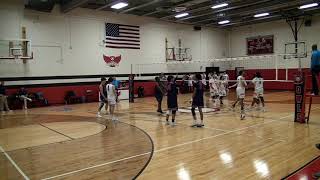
(276, 68)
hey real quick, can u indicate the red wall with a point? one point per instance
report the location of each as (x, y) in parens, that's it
(55, 95)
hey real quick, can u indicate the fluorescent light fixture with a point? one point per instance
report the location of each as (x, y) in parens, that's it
(219, 5)
(181, 15)
(224, 22)
(119, 5)
(261, 15)
(308, 6)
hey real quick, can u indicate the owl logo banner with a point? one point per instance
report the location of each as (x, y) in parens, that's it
(112, 61)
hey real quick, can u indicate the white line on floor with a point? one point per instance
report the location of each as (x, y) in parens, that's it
(95, 166)
(166, 148)
(14, 164)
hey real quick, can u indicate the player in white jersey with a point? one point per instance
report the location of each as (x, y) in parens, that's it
(226, 79)
(112, 97)
(204, 80)
(258, 90)
(241, 90)
(214, 90)
(222, 89)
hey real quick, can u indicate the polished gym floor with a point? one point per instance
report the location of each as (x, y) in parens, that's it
(70, 142)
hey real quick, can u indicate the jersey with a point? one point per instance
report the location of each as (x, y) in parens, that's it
(104, 92)
(258, 87)
(213, 87)
(258, 83)
(222, 88)
(197, 100)
(241, 87)
(110, 92)
(241, 83)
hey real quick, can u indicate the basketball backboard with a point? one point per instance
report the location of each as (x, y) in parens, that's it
(15, 49)
(295, 50)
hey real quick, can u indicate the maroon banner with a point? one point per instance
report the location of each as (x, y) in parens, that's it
(260, 45)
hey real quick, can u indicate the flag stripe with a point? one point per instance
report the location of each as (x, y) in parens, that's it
(127, 29)
(127, 25)
(124, 43)
(130, 40)
(134, 37)
(122, 36)
(122, 32)
(123, 47)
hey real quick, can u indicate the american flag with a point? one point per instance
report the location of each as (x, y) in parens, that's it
(122, 36)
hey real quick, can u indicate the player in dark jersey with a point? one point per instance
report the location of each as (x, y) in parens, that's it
(172, 99)
(197, 100)
(103, 96)
(159, 93)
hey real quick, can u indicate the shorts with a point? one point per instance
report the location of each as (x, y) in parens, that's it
(101, 99)
(112, 101)
(223, 93)
(169, 111)
(241, 93)
(258, 93)
(214, 95)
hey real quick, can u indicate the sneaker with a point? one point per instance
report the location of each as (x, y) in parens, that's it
(194, 125)
(200, 125)
(242, 116)
(167, 123)
(99, 115)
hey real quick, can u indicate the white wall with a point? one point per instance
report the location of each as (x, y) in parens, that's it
(71, 44)
(282, 35)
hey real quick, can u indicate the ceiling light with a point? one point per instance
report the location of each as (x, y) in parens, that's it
(119, 5)
(219, 5)
(308, 6)
(261, 15)
(224, 22)
(181, 15)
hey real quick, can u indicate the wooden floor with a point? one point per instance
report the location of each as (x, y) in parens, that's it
(70, 142)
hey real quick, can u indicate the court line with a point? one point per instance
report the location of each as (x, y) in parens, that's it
(56, 131)
(95, 166)
(14, 164)
(163, 149)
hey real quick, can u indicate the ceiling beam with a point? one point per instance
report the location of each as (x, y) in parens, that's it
(227, 9)
(187, 4)
(315, 11)
(140, 6)
(270, 9)
(72, 5)
(104, 6)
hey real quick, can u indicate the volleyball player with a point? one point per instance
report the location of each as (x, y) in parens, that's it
(103, 96)
(214, 91)
(258, 90)
(197, 100)
(112, 98)
(222, 89)
(159, 93)
(172, 100)
(241, 90)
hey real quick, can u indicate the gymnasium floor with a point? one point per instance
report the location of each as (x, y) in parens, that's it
(69, 142)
